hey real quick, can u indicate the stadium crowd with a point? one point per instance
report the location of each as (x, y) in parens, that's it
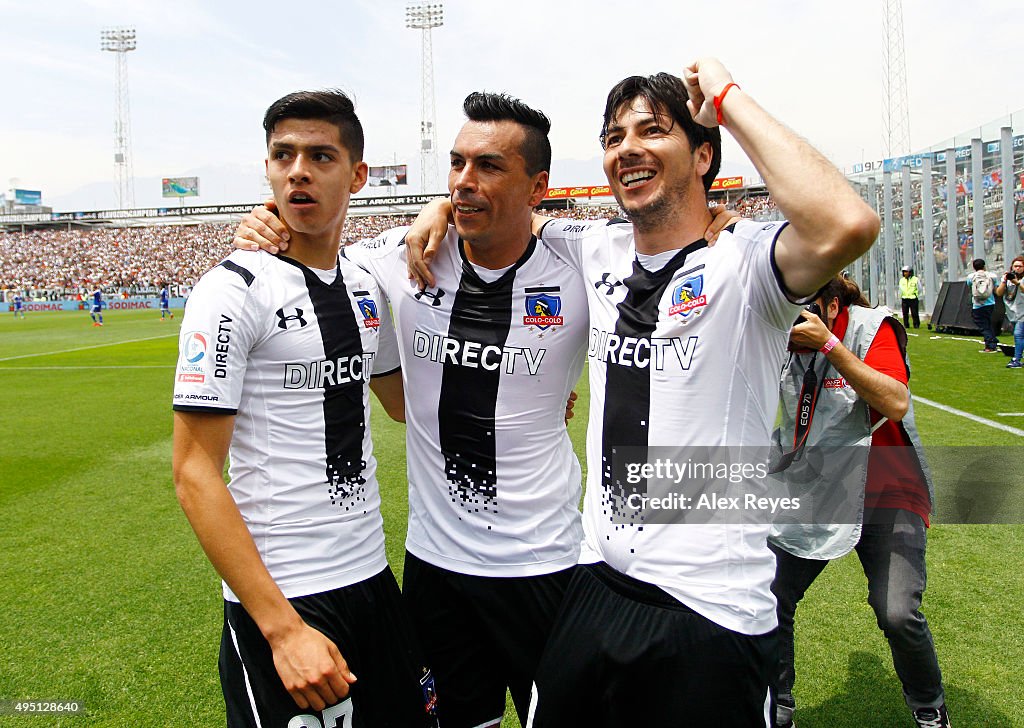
(116, 259)
(130, 260)
(140, 260)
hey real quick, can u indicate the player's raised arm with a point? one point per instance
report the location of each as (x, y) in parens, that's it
(309, 664)
(830, 225)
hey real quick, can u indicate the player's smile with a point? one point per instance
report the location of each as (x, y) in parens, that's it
(467, 208)
(634, 176)
(490, 189)
(648, 161)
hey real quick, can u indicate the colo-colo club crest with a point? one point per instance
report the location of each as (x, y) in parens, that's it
(368, 307)
(542, 308)
(688, 297)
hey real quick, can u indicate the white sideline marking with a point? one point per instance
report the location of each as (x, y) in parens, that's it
(83, 348)
(969, 416)
(1010, 414)
(957, 338)
(127, 366)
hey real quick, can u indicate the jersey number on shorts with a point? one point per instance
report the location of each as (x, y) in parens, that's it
(342, 711)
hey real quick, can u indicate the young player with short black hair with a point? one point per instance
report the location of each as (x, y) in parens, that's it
(276, 360)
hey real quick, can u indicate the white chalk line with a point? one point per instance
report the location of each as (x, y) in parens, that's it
(969, 416)
(83, 348)
(127, 366)
(956, 338)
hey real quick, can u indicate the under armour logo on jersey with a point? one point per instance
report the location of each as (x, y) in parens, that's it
(435, 298)
(609, 282)
(283, 320)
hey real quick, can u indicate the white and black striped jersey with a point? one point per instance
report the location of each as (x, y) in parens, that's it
(494, 485)
(688, 354)
(290, 352)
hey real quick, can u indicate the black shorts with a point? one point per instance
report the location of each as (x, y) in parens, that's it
(625, 653)
(368, 623)
(481, 635)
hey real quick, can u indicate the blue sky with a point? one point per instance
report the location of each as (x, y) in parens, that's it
(205, 71)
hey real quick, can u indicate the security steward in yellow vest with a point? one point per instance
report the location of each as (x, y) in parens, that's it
(910, 295)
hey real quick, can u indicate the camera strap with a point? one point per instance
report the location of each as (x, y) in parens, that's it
(809, 390)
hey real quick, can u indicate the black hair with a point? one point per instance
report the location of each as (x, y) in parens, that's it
(536, 149)
(979, 264)
(665, 93)
(329, 105)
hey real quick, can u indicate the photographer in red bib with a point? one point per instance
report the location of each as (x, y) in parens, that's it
(863, 417)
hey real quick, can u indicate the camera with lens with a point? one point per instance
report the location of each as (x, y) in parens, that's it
(814, 309)
(1011, 275)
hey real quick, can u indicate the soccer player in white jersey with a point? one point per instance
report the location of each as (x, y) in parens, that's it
(276, 359)
(675, 624)
(490, 353)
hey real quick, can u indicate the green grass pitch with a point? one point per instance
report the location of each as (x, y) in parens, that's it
(107, 598)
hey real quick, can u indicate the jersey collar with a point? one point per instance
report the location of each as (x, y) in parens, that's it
(468, 270)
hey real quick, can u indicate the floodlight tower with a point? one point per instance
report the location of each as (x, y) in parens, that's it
(423, 16)
(120, 41)
(896, 117)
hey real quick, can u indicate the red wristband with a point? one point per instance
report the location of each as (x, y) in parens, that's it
(829, 345)
(720, 98)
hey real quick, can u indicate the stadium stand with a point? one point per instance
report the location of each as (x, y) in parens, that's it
(59, 263)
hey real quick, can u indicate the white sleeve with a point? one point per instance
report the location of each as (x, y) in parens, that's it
(387, 360)
(379, 256)
(766, 292)
(566, 238)
(213, 347)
